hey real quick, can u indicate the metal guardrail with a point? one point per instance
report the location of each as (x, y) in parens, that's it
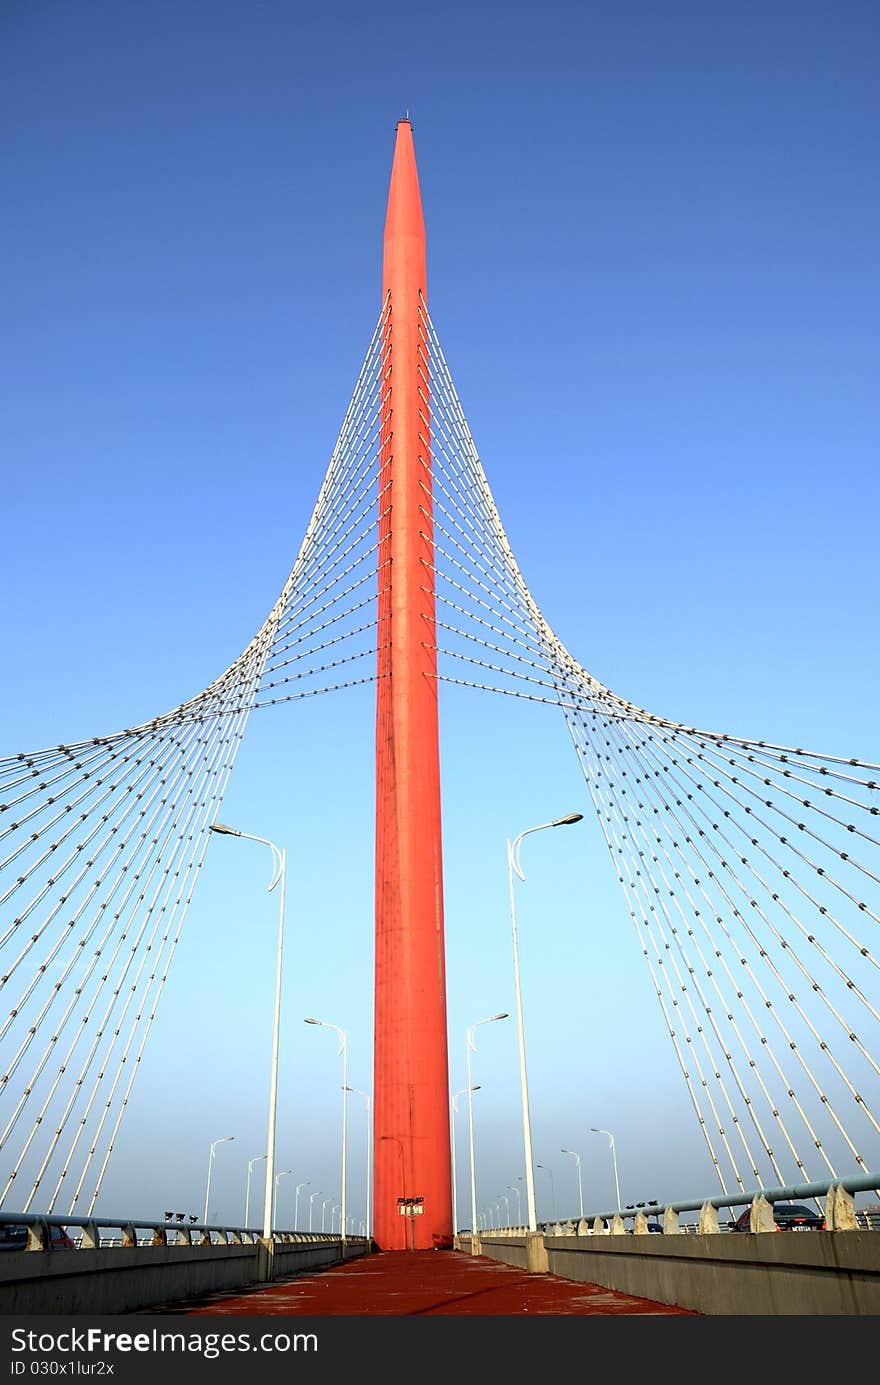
(159, 1232)
(856, 1183)
(840, 1212)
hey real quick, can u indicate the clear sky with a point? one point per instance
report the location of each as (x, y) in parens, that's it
(652, 260)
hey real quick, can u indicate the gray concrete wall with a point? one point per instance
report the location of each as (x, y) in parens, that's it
(815, 1272)
(120, 1279)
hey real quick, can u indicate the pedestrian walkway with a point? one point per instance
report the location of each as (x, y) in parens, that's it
(422, 1283)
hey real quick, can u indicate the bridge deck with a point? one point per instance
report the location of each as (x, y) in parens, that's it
(428, 1282)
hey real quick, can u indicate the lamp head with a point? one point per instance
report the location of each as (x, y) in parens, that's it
(227, 831)
(569, 818)
(503, 1016)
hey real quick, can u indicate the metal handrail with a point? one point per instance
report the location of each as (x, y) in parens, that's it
(855, 1183)
(159, 1227)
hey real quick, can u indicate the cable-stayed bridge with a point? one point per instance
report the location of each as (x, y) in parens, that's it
(749, 870)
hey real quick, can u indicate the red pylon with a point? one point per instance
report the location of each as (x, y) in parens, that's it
(410, 1080)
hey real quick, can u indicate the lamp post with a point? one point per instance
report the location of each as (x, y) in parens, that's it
(511, 1188)
(247, 1201)
(306, 1184)
(549, 1173)
(471, 1046)
(278, 1178)
(455, 1097)
(343, 1049)
(328, 1201)
(506, 1200)
(222, 1140)
(513, 867)
(279, 859)
(312, 1196)
(598, 1131)
(369, 1151)
(580, 1185)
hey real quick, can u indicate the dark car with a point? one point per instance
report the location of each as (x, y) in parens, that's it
(788, 1216)
(14, 1236)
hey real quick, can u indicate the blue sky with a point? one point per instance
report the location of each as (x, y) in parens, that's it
(652, 240)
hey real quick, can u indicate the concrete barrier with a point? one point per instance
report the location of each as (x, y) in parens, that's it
(123, 1279)
(814, 1272)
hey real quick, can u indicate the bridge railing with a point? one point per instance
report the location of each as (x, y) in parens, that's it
(89, 1233)
(840, 1213)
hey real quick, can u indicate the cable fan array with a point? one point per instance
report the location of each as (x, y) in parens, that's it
(750, 871)
(102, 841)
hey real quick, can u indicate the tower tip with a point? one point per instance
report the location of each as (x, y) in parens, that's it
(403, 217)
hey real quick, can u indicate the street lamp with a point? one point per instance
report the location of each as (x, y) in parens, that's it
(596, 1130)
(511, 1188)
(455, 1097)
(279, 859)
(221, 1141)
(312, 1196)
(472, 1046)
(369, 1150)
(519, 1180)
(506, 1200)
(324, 1205)
(513, 866)
(549, 1172)
(278, 1178)
(306, 1184)
(580, 1185)
(247, 1201)
(343, 1049)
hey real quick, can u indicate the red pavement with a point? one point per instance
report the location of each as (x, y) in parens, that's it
(425, 1282)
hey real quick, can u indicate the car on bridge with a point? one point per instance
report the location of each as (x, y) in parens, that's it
(788, 1216)
(14, 1236)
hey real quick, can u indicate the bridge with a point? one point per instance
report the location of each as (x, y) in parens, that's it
(748, 871)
